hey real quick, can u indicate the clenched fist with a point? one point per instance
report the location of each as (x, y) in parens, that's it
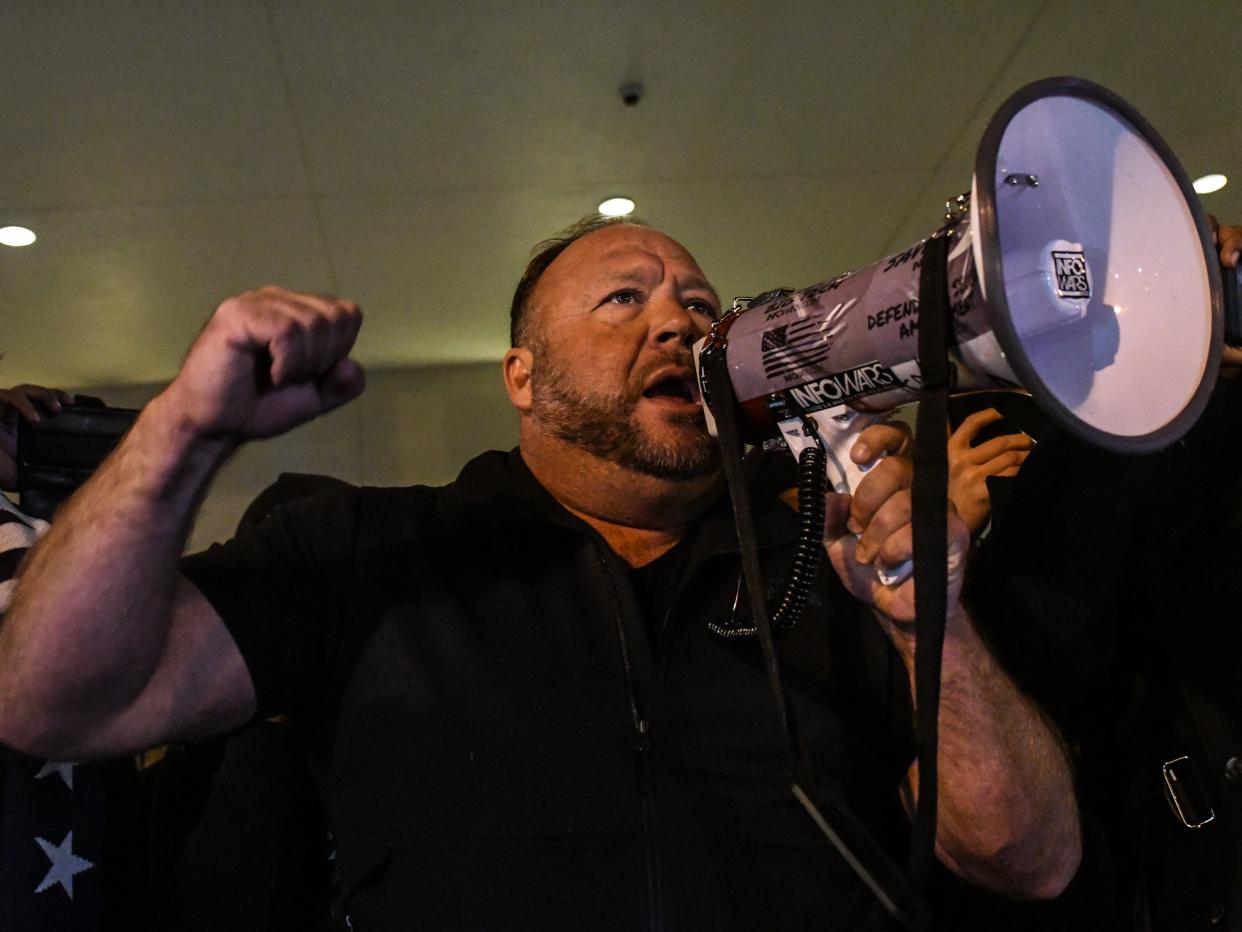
(267, 361)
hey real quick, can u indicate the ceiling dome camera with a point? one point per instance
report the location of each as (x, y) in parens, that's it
(631, 93)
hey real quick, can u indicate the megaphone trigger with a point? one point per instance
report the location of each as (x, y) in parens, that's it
(836, 431)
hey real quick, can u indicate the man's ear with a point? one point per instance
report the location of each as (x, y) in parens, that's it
(518, 365)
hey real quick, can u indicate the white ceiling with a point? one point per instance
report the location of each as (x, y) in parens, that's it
(409, 154)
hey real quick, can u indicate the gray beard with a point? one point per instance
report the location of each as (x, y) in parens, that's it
(605, 426)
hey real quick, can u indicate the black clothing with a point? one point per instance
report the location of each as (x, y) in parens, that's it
(70, 834)
(1112, 586)
(499, 744)
(238, 841)
(655, 587)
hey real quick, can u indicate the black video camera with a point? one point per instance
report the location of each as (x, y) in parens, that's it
(59, 453)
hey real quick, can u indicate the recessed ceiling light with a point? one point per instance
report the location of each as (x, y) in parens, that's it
(616, 207)
(1209, 183)
(16, 236)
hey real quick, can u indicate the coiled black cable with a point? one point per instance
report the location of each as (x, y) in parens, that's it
(812, 484)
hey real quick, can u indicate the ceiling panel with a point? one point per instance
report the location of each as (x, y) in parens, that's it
(1170, 62)
(117, 295)
(393, 253)
(410, 154)
(434, 96)
(143, 102)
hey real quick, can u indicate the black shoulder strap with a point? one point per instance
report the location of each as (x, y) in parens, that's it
(829, 812)
(931, 476)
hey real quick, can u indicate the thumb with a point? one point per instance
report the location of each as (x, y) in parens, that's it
(342, 383)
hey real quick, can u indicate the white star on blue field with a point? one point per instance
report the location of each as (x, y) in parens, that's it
(65, 864)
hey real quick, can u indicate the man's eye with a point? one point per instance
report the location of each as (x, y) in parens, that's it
(626, 296)
(702, 307)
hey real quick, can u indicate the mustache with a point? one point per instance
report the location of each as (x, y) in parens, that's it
(682, 358)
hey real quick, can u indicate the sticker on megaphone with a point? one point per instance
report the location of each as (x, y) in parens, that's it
(1052, 283)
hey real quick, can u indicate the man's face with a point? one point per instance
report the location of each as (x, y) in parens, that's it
(613, 319)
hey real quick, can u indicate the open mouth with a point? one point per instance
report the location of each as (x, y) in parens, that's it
(678, 386)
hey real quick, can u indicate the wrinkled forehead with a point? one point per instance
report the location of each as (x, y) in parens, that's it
(614, 250)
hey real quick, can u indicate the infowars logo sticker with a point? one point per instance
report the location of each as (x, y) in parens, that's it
(837, 389)
(1073, 277)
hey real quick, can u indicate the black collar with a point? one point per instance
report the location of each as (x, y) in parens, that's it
(499, 487)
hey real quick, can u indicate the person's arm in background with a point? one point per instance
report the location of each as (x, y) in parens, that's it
(1007, 815)
(107, 648)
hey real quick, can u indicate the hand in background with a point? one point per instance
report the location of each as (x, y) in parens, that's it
(970, 465)
(29, 403)
(1229, 242)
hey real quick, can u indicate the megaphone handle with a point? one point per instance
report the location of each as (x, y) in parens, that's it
(839, 428)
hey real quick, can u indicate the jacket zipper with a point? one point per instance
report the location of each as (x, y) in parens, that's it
(642, 761)
(642, 748)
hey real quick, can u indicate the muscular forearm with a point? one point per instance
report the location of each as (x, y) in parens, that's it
(91, 614)
(1007, 814)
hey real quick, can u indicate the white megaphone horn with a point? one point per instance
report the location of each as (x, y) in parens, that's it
(1080, 268)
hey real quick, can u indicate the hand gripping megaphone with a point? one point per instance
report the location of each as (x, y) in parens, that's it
(1080, 269)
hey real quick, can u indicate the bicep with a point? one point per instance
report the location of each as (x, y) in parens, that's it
(200, 686)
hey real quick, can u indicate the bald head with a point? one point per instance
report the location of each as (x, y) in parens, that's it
(545, 253)
(525, 297)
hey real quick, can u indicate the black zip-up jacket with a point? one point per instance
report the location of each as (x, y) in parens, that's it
(500, 746)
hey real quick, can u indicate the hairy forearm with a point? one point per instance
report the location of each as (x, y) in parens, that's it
(90, 616)
(1007, 814)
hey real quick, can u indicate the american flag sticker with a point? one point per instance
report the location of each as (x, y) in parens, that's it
(792, 347)
(775, 338)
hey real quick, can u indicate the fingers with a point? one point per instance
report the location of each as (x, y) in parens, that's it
(344, 382)
(878, 440)
(16, 401)
(1006, 464)
(306, 335)
(888, 541)
(966, 432)
(883, 535)
(27, 400)
(883, 443)
(1229, 240)
(887, 478)
(313, 334)
(307, 398)
(887, 544)
(999, 446)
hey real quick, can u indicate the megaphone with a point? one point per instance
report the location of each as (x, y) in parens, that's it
(1080, 269)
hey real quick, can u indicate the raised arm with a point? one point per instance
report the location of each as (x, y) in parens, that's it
(107, 648)
(1007, 814)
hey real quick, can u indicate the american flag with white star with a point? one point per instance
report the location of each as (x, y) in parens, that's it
(53, 814)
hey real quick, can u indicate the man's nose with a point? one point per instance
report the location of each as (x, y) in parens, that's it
(672, 324)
